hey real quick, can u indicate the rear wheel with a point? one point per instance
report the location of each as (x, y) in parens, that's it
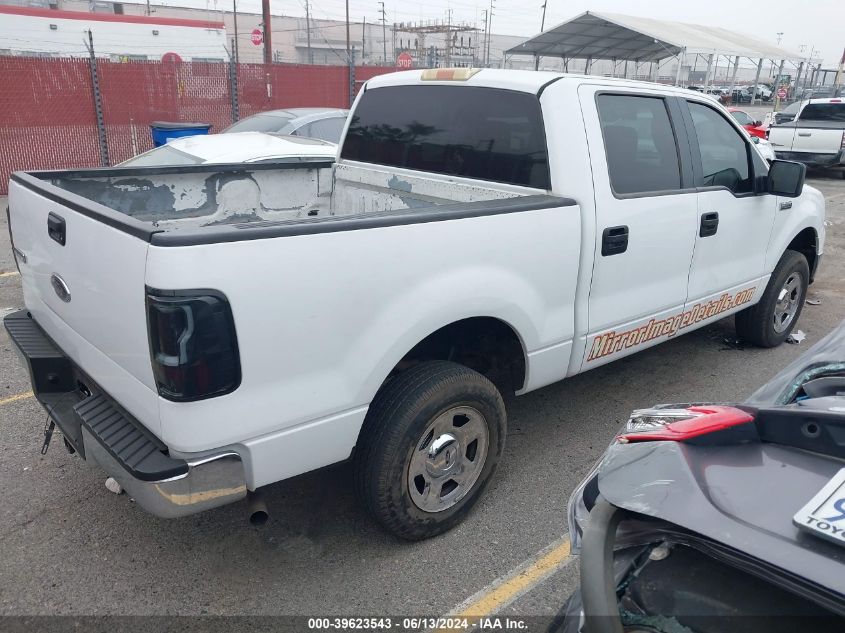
(770, 322)
(431, 441)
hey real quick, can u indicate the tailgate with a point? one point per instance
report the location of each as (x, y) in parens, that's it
(88, 292)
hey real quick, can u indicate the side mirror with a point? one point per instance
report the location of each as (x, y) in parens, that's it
(786, 178)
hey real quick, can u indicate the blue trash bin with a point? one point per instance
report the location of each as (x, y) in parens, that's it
(163, 131)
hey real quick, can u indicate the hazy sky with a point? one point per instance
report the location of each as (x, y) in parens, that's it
(817, 24)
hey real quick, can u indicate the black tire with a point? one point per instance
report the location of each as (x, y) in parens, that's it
(757, 323)
(393, 430)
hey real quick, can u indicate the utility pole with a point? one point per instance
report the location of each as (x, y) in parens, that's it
(448, 38)
(268, 30)
(364, 40)
(235, 18)
(348, 47)
(489, 31)
(484, 45)
(308, 32)
(148, 7)
(383, 32)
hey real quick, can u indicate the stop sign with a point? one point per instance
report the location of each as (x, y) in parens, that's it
(257, 37)
(781, 93)
(404, 60)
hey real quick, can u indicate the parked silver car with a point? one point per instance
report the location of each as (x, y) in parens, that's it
(322, 123)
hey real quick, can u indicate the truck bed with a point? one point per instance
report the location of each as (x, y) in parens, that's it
(216, 200)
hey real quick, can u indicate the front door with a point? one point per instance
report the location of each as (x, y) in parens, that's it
(735, 223)
(646, 213)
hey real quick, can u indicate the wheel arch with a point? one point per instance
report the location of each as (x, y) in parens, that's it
(487, 344)
(806, 242)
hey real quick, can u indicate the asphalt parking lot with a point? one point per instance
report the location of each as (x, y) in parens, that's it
(71, 547)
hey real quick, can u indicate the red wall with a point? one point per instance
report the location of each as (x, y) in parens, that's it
(48, 121)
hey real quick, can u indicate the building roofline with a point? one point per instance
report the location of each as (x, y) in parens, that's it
(109, 17)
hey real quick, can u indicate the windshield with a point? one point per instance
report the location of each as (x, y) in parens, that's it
(261, 123)
(824, 112)
(164, 155)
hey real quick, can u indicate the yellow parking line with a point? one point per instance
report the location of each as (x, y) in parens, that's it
(10, 273)
(514, 584)
(16, 397)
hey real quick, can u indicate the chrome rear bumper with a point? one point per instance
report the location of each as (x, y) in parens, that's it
(210, 482)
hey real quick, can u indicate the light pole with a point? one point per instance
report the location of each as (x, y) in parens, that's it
(542, 26)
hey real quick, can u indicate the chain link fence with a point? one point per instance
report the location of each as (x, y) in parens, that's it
(48, 108)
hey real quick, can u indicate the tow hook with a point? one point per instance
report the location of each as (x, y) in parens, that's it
(49, 427)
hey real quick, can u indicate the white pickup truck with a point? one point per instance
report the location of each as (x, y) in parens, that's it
(816, 137)
(203, 331)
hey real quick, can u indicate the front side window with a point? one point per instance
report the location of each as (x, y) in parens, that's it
(723, 149)
(642, 155)
(469, 131)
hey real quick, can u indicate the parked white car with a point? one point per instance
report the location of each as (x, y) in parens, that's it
(474, 238)
(235, 147)
(816, 137)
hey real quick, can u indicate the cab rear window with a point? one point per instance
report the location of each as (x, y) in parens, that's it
(824, 112)
(473, 132)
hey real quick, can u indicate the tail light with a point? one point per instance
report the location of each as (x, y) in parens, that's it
(193, 345)
(683, 424)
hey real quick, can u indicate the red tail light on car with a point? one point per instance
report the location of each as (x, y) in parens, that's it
(682, 424)
(193, 344)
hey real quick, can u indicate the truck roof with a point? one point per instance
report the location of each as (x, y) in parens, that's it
(521, 80)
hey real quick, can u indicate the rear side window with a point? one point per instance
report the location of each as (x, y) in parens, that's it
(823, 112)
(642, 156)
(724, 151)
(466, 131)
(324, 129)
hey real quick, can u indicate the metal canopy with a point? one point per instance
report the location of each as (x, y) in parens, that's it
(614, 36)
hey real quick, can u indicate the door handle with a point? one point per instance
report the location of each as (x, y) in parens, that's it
(56, 228)
(614, 240)
(709, 224)
(805, 133)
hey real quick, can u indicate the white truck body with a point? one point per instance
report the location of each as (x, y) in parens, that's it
(335, 273)
(815, 137)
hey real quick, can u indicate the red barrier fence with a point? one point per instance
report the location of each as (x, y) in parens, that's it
(48, 117)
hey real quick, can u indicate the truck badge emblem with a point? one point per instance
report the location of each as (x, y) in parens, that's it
(60, 287)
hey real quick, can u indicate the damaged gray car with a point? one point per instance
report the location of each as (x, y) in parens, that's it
(720, 517)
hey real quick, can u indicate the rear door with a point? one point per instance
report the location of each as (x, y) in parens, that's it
(645, 220)
(734, 223)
